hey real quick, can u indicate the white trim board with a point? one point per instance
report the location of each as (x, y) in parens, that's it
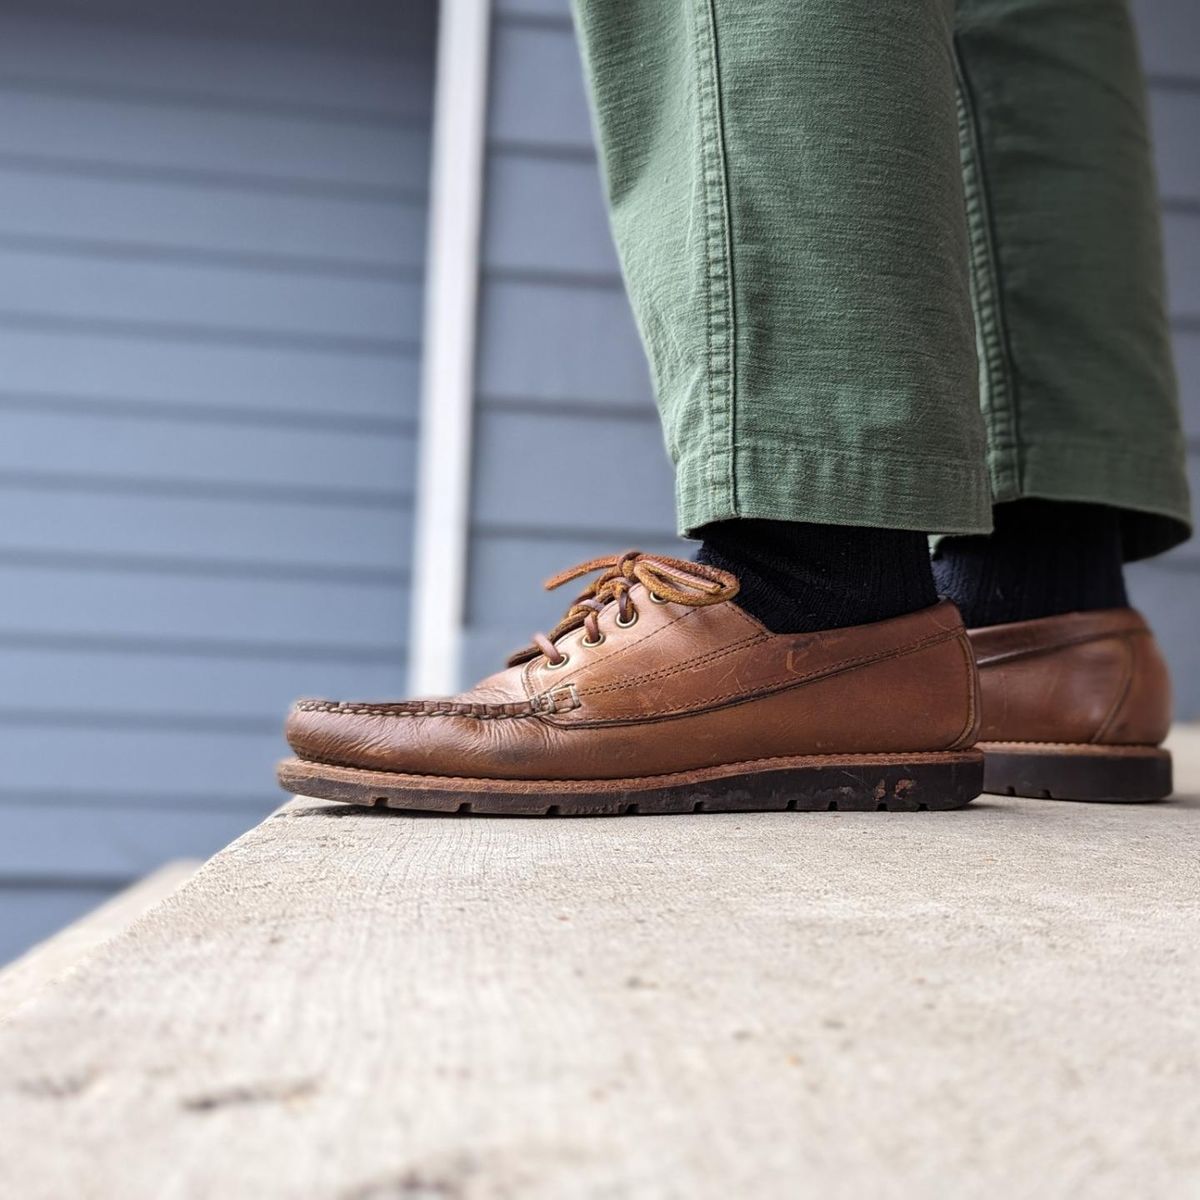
(448, 370)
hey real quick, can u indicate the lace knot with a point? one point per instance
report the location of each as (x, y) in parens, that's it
(669, 580)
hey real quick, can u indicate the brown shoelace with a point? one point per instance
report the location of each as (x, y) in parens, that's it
(668, 580)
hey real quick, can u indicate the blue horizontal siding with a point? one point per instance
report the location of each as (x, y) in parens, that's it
(212, 226)
(59, 124)
(175, 377)
(626, 483)
(141, 688)
(214, 300)
(546, 340)
(127, 448)
(218, 532)
(89, 205)
(1169, 31)
(95, 50)
(368, 29)
(71, 836)
(70, 598)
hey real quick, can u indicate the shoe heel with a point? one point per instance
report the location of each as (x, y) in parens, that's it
(1112, 774)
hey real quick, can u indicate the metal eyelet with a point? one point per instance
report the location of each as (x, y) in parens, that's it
(627, 624)
(562, 662)
(658, 599)
(583, 641)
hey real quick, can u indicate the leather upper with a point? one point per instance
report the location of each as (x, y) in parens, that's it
(1089, 677)
(679, 688)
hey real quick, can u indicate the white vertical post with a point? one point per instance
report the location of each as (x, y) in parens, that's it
(448, 372)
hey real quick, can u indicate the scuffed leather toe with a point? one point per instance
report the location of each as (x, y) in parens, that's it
(480, 733)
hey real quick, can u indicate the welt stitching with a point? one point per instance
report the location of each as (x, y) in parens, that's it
(1101, 748)
(900, 757)
(379, 710)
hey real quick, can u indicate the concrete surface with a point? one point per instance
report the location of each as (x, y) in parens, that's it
(43, 964)
(999, 1002)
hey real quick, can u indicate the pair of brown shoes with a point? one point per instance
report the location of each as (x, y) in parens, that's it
(655, 694)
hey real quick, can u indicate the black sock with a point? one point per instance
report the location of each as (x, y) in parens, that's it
(1043, 557)
(798, 578)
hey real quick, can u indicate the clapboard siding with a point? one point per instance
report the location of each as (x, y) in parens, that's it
(110, 755)
(141, 688)
(547, 215)
(518, 114)
(1174, 117)
(102, 600)
(1181, 239)
(212, 227)
(134, 60)
(99, 837)
(583, 336)
(128, 448)
(248, 144)
(561, 376)
(212, 299)
(629, 489)
(556, 12)
(261, 535)
(85, 205)
(1169, 31)
(174, 377)
(367, 28)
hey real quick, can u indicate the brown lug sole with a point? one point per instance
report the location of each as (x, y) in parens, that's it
(1076, 771)
(812, 783)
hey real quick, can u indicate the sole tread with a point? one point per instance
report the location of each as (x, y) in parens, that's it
(930, 782)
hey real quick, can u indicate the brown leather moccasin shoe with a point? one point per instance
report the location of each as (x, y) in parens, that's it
(1074, 707)
(655, 694)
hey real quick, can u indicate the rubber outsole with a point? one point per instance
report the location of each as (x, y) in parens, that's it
(1062, 771)
(850, 783)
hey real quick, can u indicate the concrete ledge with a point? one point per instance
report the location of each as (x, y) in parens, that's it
(40, 966)
(1000, 1001)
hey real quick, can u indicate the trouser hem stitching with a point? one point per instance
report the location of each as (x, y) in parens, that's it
(718, 271)
(1001, 410)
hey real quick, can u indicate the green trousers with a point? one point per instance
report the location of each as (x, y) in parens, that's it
(893, 263)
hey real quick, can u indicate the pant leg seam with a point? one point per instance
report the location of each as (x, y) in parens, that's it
(719, 367)
(1003, 411)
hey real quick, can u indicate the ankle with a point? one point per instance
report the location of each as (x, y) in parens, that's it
(1043, 558)
(799, 578)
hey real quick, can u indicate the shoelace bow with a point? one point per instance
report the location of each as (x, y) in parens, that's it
(670, 580)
